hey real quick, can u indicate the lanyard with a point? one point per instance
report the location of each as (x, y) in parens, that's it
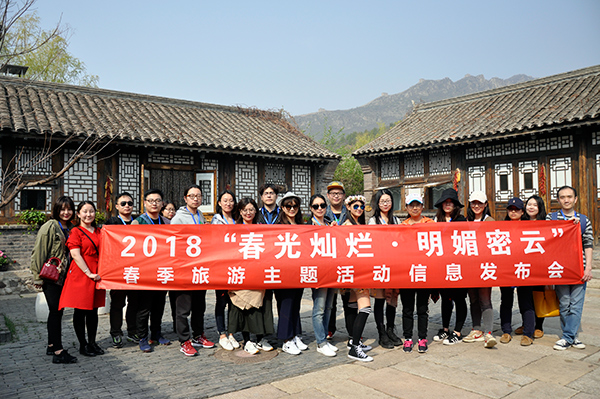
(565, 217)
(152, 221)
(193, 218)
(65, 231)
(268, 217)
(225, 219)
(381, 220)
(316, 221)
(126, 223)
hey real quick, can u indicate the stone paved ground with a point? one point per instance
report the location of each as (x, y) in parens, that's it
(465, 370)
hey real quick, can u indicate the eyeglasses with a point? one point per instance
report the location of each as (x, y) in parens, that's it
(170, 209)
(335, 193)
(227, 202)
(514, 209)
(247, 211)
(123, 203)
(154, 201)
(269, 193)
(290, 207)
(359, 206)
(386, 202)
(194, 196)
(317, 206)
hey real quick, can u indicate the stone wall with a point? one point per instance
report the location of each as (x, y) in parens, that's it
(17, 243)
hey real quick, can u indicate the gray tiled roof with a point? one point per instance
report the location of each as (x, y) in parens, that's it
(536, 106)
(30, 107)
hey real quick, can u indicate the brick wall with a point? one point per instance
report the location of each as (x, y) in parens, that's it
(18, 243)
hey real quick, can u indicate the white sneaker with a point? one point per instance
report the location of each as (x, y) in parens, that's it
(233, 341)
(324, 349)
(251, 348)
(299, 344)
(290, 347)
(225, 344)
(561, 345)
(577, 344)
(333, 347)
(264, 345)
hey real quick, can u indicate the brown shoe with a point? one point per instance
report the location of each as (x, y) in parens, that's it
(505, 338)
(519, 331)
(526, 341)
(538, 334)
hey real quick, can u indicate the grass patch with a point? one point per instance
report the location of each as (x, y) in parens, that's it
(11, 326)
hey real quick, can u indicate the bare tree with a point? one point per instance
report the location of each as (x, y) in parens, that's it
(13, 46)
(18, 175)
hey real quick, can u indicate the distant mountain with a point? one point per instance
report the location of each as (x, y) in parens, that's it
(392, 108)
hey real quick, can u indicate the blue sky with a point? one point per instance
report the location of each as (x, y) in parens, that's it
(306, 55)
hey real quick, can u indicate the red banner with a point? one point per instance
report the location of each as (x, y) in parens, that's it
(433, 255)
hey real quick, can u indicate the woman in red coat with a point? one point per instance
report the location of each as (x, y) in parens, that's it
(80, 290)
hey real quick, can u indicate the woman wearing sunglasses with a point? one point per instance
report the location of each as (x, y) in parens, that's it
(289, 327)
(384, 214)
(359, 298)
(252, 310)
(322, 297)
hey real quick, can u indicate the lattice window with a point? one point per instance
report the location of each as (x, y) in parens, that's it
(129, 178)
(440, 162)
(206, 181)
(38, 198)
(476, 176)
(301, 184)
(504, 181)
(275, 173)
(390, 168)
(171, 159)
(80, 180)
(413, 165)
(598, 176)
(32, 161)
(210, 164)
(560, 173)
(528, 179)
(524, 147)
(595, 138)
(246, 179)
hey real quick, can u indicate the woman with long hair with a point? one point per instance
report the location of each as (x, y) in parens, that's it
(515, 212)
(480, 298)
(51, 243)
(322, 297)
(80, 291)
(535, 209)
(359, 298)
(289, 326)
(226, 214)
(449, 207)
(251, 311)
(384, 214)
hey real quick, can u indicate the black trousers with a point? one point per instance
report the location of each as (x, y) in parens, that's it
(187, 302)
(117, 303)
(151, 306)
(52, 293)
(407, 296)
(451, 296)
(288, 308)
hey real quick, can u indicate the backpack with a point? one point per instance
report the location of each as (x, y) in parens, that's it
(582, 220)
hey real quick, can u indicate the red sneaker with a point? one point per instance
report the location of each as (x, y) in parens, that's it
(202, 342)
(188, 349)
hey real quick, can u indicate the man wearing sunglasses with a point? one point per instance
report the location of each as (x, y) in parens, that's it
(124, 206)
(337, 213)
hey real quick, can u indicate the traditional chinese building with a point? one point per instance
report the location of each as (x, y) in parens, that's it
(519, 140)
(149, 142)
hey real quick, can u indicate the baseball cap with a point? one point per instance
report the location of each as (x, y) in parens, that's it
(335, 184)
(516, 202)
(478, 196)
(413, 197)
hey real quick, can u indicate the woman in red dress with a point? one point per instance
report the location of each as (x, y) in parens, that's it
(79, 291)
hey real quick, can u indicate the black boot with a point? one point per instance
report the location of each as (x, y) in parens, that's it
(384, 340)
(396, 340)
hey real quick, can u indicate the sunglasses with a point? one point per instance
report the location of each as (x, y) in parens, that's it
(123, 203)
(290, 206)
(359, 206)
(317, 206)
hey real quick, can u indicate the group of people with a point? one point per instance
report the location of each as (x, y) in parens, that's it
(72, 236)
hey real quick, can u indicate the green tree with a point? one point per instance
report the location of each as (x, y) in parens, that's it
(45, 52)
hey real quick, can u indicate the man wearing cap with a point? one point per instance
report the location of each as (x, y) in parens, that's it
(336, 211)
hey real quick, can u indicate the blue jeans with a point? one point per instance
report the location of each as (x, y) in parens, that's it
(322, 303)
(570, 302)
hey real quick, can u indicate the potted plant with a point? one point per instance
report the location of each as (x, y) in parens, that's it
(5, 261)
